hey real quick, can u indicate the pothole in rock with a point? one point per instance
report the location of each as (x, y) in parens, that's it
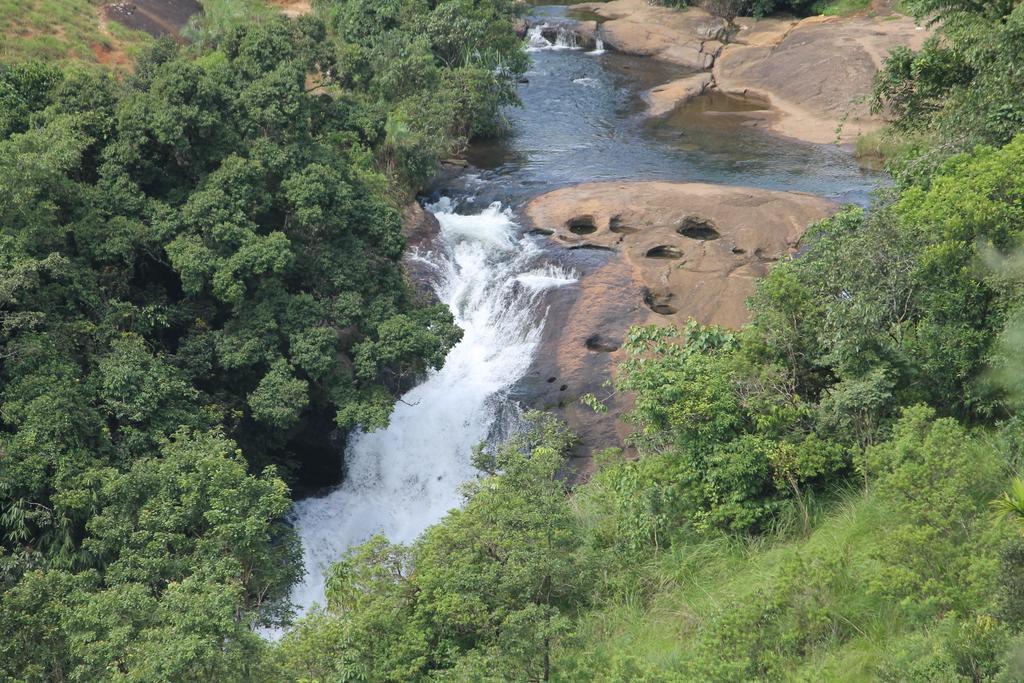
(601, 344)
(592, 247)
(581, 225)
(617, 226)
(738, 250)
(540, 231)
(698, 228)
(664, 251)
(659, 303)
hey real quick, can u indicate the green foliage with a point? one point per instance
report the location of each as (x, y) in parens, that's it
(422, 78)
(189, 552)
(731, 439)
(200, 255)
(894, 306)
(483, 595)
(964, 87)
(937, 481)
(68, 31)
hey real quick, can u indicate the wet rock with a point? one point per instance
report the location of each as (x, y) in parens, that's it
(599, 343)
(660, 302)
(697, 228)
(580, 347)
(419, 227)
(421, 231)
(619, 227)
(581, 225)
(665, 251)
(664, 98)
(815, 72)
(657, 276)
(567, 32)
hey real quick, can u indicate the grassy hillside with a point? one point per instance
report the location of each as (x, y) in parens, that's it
(57, 30)
(80, 31)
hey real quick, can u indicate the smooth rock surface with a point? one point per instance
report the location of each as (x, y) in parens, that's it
(681, 250)
(664, 98)
(688, 38)
(817, 73)
(695, 248)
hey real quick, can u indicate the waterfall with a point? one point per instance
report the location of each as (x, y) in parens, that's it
(565, 39)
(401, 479)
(535, 39)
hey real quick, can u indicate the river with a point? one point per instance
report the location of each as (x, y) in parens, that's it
(581, 121)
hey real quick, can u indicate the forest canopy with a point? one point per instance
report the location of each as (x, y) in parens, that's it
(201, 293)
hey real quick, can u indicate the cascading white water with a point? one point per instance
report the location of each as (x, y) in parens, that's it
(402, 479)
(535, 39)
(564, 39)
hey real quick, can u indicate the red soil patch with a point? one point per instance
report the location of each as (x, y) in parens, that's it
(293, 8)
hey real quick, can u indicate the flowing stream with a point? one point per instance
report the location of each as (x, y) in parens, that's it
(400, 479)
(579, 122)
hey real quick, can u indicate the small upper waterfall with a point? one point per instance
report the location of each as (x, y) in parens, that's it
(564, 38)
(401, 479)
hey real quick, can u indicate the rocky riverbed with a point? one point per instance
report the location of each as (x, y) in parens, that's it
(668, 174)
(815, 73)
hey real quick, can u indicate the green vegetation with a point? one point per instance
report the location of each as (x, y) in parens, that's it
(831, 493)
(839, 8)
(61, 30)
(200, 284)
(877, 148)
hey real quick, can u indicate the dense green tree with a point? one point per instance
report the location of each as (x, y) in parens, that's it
(203, 255)
(963, 88)
(188, 553)
(483, 595)
(731, 438)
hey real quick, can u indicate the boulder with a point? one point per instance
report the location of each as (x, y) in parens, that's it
(664, 98)
(421, 230)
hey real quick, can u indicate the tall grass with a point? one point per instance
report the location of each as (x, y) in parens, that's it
(683, 592)
(220, 16)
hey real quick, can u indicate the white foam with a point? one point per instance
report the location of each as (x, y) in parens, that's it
(401, 479)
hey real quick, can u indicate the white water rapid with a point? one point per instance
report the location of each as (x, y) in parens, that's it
(401, 479)
(564, 39)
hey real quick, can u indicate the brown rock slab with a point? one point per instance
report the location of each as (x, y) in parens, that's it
(689, 38)
(681, 250)
(421, 231)
(664, 98)
(696, 248)
(817, 73)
